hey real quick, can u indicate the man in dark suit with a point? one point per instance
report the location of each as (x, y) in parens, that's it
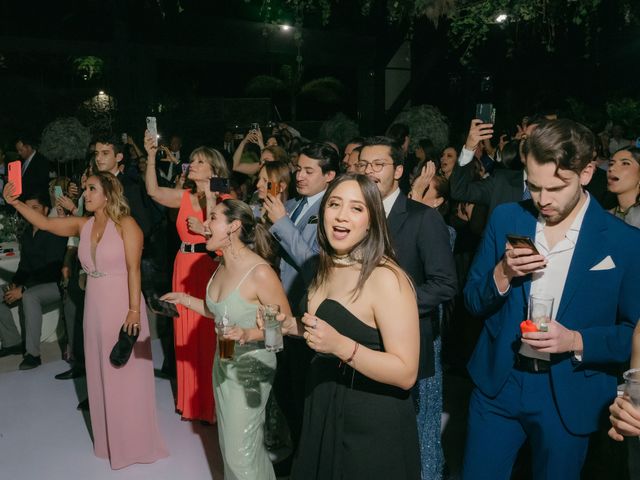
(35, 168)
(421, 243)
(551, 386)
(504, 185)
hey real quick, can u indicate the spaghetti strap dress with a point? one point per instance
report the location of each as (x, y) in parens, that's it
(242, 386)
(194, 335)
(121, 399)
(354, 427)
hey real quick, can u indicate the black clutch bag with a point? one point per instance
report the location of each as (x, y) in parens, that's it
(122, 349)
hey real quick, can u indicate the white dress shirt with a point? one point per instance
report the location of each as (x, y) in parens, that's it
(388, 202)
(550, 281)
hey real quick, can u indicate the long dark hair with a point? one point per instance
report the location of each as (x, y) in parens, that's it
(252, 232)
(375, 248)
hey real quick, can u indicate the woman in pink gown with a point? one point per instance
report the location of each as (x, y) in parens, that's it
(121, 399)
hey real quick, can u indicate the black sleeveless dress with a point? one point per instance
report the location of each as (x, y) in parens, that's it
(354, 427)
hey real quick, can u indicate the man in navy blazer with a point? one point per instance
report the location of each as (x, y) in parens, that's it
(295, 227)
(35, 168)
(553, 386)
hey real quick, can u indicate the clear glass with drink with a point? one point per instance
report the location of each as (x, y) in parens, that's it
(540, 311)
(226, 346)
(632, 382)
(272, 328)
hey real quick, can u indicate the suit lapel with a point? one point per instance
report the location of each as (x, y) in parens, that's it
(397, 215)
(587, 253)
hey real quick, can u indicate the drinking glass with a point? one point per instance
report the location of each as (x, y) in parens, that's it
(540, 311)
(226, 346)
(272, 328)
(632, 382)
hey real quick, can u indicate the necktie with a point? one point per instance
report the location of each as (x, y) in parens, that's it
(526, 194)
(298, 210)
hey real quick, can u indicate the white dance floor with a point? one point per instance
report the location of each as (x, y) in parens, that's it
(42, 435)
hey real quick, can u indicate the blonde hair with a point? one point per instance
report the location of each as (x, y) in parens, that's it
(117, 206)
(215, 160)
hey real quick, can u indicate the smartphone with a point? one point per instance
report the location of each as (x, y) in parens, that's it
(185, 168)
(57, 191)
(638, 142)
(255, 126)
(522, 241)
(273, 189)
(220, 185)
(486, 113)
(15, 176)
(152, 126)
(125, 137)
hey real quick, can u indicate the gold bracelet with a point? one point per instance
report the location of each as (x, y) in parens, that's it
(134, 311)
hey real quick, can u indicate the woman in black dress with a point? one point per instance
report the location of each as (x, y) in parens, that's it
(359, 419)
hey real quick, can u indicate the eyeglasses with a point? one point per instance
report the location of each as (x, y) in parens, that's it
(376, 165)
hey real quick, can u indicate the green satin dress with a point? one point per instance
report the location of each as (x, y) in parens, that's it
(241, 387)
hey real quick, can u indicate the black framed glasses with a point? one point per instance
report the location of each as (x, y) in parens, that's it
(376, 165)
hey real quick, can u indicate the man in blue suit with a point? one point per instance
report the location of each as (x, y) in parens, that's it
(294, 227)
(551, 387)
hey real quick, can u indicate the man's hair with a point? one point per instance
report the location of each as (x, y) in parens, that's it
(395, 150)
(326, 156)
(110, 139)
(397, 132)
(356, 141)
(564, 142)
(41, 197)
(26, 139)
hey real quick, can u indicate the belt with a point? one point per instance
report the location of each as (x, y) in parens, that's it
(532, 365)
(193, 247)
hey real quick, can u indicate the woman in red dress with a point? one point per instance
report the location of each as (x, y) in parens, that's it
(194, 334)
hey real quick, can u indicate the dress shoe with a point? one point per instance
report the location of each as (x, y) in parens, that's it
(73, 372)
(30, 362)
(12, 350)
(83, 405)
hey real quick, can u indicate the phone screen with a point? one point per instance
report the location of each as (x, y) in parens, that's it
(185, 168)
(15, 176)
(522, 241)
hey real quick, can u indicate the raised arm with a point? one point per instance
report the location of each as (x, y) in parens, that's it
(62, 226)
(169, 197)
(133, 239)
(246, 168)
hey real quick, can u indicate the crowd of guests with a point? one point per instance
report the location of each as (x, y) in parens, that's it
(381, 261)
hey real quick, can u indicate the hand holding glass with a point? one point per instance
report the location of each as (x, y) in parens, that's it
(272, 328)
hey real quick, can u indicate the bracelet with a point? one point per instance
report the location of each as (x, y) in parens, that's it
(353, 354)
(134, 311)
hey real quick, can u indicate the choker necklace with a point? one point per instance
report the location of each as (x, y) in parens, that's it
(348, 259)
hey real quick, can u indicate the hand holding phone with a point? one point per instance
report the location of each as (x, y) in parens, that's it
(152, 126)
(219, 185)
(273, 188)
(486, 113)
(522, 241)
(15, 176)
(57, 191)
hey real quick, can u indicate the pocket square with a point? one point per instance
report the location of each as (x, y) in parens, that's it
(605, 264)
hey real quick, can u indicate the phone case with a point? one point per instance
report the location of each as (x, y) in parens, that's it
(152, 126)
(58, 191)
(15, 176)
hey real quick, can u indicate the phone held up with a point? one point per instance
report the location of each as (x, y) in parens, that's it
(486, 113)
(522, 241)
(273, 189)
(152, 126)
(15, 176)
(220, 185)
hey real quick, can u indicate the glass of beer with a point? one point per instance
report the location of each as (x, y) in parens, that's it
(272, 328)
(226, 346)
(632, 381)
(540, 311)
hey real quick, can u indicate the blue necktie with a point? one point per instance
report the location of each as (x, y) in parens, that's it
(298, 210)
(526, 194)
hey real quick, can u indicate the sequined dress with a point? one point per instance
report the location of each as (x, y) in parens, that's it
(354, 427)
(241, 388)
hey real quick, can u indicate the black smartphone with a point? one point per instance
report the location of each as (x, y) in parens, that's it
(161, 307)
(522, 241)
(486, 113)
(220, 185)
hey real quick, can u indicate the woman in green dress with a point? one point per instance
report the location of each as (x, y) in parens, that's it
(242, 384)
